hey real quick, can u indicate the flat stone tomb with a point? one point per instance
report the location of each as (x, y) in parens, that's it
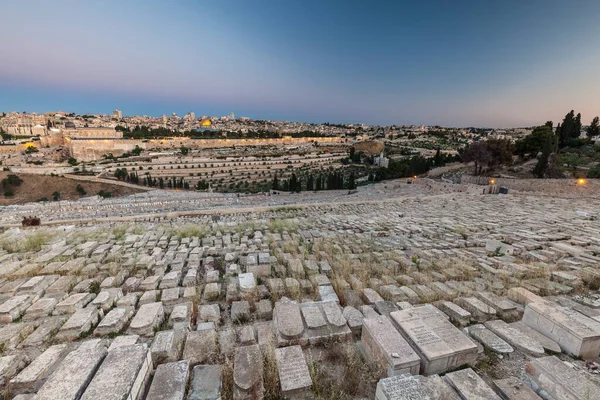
(385, 346)
(169, 381)
(123, 374)
(441, 346)
(560, 381)
(148, 317)
(489, 339)
(248, 373)
(115, 321)
(409, 387)
(294, 376)
(31, 378)
(72, 375)
(575, 333)
(516, 337)
(470, 386)
(205, 383)
(288, 323)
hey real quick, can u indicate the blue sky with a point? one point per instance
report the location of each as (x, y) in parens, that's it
(454, 63)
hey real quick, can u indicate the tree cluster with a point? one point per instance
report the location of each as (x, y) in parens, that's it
(488, 154)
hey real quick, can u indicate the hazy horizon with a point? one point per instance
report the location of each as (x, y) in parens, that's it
(459, 64)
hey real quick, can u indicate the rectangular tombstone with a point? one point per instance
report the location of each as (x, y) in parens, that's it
(166, 346)
(575, 333)
(123, 374)
(288, 324)
(79, 323)
(169, 381)
(409, 387)
(440, 345)
(205, 383)
(551, 376)
(33, 377)
(148, 317)
(514, 389)
(248, 373)
(294, 376)
(200, 346)
(72, 375)
(114, 321)
(384, 345)
(470, 386)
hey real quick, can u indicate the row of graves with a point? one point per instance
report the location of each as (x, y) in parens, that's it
(252, 313)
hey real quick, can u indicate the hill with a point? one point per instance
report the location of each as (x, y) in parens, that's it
(35, 187)
(369, 147)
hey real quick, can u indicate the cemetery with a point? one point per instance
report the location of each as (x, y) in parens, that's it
(425, 290)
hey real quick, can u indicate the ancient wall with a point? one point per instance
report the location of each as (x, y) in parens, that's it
(94, 149)
(91, 133)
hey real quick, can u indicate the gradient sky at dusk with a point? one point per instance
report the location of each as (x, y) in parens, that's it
(496, 63)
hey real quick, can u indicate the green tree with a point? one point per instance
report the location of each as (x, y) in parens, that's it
(56, 196)
(275, 183)
(533, 143)
(594, 128)
(80, 190)
(351, 182)
(184, 150)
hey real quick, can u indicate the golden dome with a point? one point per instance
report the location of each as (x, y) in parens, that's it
(205, 122)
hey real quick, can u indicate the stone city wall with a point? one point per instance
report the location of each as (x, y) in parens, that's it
(94, 149)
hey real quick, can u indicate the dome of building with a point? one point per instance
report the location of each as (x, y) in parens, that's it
(205, 122)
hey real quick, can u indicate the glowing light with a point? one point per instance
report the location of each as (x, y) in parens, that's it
(492, 181)
(415, 177)
(581, 181)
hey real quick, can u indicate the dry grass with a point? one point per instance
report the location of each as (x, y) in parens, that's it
(191, 230)
(32, 242)
(344, 374)
(282, 225)
(227, 379)
(270, 373)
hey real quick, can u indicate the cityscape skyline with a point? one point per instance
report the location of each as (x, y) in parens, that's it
(467, 64)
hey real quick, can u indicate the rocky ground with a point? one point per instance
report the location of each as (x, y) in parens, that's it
(407, 291)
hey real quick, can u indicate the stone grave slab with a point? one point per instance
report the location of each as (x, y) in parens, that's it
(148, 317)
(170, 381)
(288, 324)
(489, 339)
(200, 346)
(205, 383)
(33, 377)
(294, 376)
(575, 333)
(81, 322)
(557, 380)
(115, 321)
(470, 386)
(516, 338)
(409, 387)
(514, 389)
(125, 372)
(386, 347)
(73, 375)
(440, 345)
(248, 373)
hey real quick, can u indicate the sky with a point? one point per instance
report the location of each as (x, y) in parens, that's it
(492, 63)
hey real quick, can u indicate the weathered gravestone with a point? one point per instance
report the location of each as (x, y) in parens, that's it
(409, 387)
(169, 381)
(385, 346)
(470, 386)
(575, 333)
(123, 374)
(441, 346)
(248, 373)
(294, 376)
